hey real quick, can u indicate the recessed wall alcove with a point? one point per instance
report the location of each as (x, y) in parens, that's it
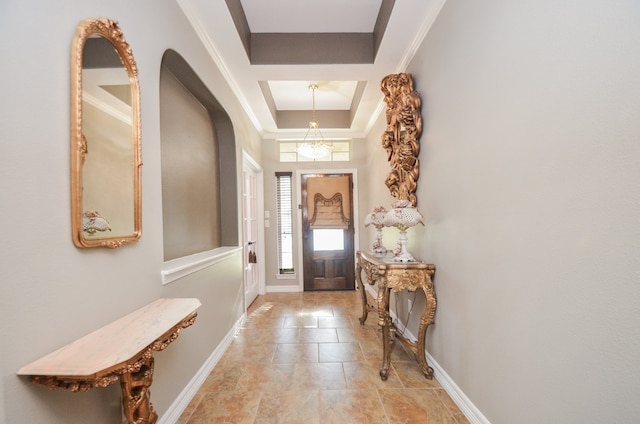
(199, 186)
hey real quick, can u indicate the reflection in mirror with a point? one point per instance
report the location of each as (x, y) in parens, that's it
(105, 137)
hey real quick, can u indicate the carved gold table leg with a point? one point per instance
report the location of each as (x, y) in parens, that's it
(384, 321)
(425, 321)
(363, 293)
(136, 396)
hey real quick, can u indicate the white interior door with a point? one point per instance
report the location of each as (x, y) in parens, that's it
(251, 232)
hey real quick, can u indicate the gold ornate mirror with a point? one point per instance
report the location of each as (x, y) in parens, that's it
(105, 137)
(401, 138)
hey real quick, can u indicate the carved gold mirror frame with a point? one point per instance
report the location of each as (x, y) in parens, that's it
(105, 137)
(401, 138)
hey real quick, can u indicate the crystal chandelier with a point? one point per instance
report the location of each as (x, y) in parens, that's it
(316, 147)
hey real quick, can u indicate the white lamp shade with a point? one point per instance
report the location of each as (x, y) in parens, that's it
(376, 218)
(403, 217)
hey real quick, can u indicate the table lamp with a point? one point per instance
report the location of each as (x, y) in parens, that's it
(403, 216)
(376, 218)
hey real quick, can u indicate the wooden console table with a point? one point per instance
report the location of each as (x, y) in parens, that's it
(122, 350)
(397, 276)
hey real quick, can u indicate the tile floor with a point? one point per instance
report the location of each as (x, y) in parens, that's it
(305, 358)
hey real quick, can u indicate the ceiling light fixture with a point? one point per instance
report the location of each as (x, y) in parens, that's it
(316, 147)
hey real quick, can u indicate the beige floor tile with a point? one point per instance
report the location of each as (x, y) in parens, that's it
(317, 311)
(266, 335)
(293, 407)
(226, 407)
(186, 414)
(224, 377)
(372, 349)
(261, 309)
(285, 310)
(412, 377)
(303, 321)
(305, 358)
(334, 322)
(262, 323)
(266, 377)
(318, 335)
(247, 352)
(318, 376)
(339, 352)
(415, 406)
(351, 406)
(366, 375)
(452, 407)
(399, 353)
(249, 335)
(296, 353)
(356, 334)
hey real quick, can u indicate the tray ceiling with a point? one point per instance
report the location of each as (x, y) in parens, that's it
(271, 51)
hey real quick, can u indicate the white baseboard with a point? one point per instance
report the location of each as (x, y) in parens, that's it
(282, 289)
(469, 410)
(191, 389)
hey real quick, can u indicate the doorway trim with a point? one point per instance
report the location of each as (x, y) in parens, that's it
(249, 162)
(356, 231)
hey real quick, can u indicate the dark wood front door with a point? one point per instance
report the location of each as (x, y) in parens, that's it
(327, 231)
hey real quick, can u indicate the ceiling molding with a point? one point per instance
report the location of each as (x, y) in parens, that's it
(297, 48)
(394, 38)
(427, 23)
(199, 27)
(421, 34)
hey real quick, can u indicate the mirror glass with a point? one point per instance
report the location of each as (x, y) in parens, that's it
(105, 143)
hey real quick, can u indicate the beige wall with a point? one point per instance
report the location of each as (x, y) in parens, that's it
(190, 172)
(529, 184)
(52, 292)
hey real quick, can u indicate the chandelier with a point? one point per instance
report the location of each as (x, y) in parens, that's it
(315, 147)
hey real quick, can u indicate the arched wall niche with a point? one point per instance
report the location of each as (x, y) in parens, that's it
(199, 178)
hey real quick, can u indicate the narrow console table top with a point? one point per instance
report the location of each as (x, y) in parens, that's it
(386, 261)
(113, 345)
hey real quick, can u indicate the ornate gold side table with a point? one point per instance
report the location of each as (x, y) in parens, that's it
(122, 350)
(397, 276)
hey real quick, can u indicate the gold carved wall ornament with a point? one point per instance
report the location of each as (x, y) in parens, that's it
(401, 138)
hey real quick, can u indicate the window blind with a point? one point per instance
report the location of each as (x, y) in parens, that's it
(285, 222)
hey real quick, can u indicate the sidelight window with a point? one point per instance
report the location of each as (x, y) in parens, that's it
(285, 222)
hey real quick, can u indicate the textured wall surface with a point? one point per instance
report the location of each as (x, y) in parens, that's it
(529, 184)
(52, 292)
